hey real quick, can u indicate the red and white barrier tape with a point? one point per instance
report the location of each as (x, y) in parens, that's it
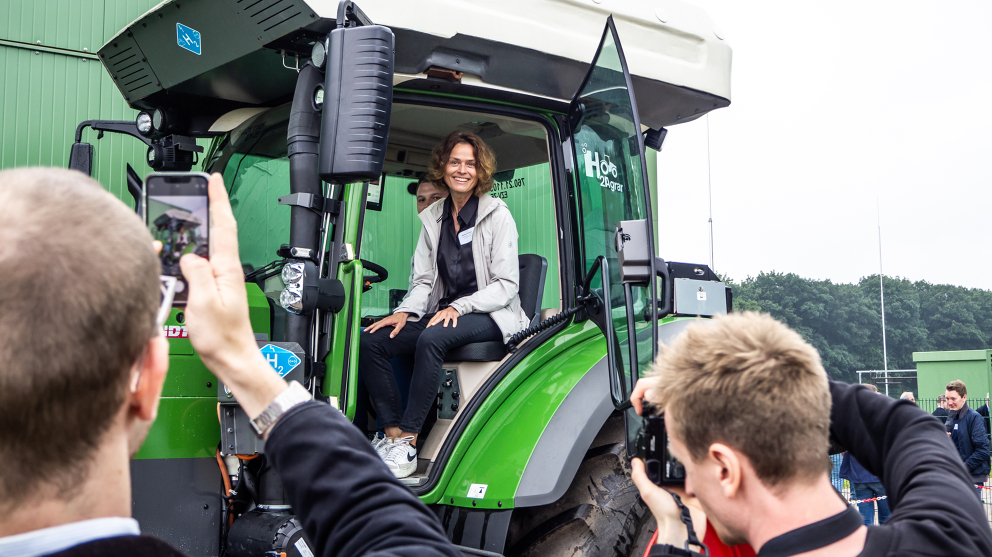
(873, 499)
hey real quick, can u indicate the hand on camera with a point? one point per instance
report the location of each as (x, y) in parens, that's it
(217, 312)
(641, 390)
(397, 321)
(671, 530)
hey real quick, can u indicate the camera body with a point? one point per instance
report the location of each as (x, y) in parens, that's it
(653, 448)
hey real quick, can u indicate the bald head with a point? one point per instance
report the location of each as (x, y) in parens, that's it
(77, 306)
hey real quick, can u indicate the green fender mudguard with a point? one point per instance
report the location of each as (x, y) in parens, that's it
(526, 442)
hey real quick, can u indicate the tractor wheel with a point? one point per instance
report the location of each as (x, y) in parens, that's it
(601, 514)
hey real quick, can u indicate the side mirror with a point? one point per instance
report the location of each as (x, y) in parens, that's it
(357, 103)
(81, 158)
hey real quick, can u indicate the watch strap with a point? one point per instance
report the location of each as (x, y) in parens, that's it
(295, 395)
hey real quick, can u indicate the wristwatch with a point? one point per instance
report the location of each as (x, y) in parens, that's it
(295, 395)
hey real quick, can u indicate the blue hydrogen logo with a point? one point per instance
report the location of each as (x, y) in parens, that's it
(281, 360)
(188, 38)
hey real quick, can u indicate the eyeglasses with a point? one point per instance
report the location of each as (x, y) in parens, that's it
(168, 289)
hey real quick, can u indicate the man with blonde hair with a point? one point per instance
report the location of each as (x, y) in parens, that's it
(751, 414)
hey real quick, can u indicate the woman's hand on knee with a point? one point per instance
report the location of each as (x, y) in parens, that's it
(396, 320)
(446, 314)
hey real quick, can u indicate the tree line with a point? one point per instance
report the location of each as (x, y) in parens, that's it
(844, 321)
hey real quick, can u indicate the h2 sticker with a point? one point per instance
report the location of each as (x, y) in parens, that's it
(281, 360)
(602, 169)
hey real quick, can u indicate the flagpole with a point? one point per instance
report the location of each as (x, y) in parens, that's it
(881, 290)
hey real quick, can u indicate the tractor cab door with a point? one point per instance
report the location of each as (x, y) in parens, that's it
(614, 217)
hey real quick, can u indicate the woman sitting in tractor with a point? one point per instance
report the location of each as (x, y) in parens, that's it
(465, 280)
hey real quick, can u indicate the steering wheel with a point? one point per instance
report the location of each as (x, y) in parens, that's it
(368, 280)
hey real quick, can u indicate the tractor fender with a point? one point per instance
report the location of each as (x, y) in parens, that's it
(571, 431)
(566, 439)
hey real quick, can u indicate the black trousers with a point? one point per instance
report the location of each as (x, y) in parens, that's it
(428, 345)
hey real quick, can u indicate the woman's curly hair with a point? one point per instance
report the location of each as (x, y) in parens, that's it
(485, 161)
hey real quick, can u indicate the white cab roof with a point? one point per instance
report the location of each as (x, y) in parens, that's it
(664, 40)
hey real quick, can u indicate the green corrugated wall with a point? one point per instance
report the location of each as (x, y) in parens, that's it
(50, 81)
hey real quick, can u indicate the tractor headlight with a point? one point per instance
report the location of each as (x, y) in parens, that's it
(158, 119)
(293, 272)
(291, 299)
(318, 55)
(144, 123)
(305, 291)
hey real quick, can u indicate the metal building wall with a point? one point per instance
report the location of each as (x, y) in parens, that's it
(50, 80)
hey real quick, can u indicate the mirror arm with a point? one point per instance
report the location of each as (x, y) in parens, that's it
(126, 127)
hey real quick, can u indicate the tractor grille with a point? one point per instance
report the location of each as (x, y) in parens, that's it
(129, 68)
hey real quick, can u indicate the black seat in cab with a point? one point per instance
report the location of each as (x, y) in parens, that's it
(533, 270)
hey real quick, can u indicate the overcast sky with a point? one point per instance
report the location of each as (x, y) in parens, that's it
(835, 104)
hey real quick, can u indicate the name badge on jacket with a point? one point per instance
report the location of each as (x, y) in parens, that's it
(955, 426)
(465, 236)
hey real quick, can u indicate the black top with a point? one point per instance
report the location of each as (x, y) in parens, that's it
(933, 503)
(455, 264)
(128, 546)
(347, 500)
(969, 437)
(941, 413)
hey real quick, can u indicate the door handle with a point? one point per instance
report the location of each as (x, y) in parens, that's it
(667, 289)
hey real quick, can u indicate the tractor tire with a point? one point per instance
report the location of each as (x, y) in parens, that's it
(600, 515)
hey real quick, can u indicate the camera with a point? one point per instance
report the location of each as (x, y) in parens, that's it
(653, 448)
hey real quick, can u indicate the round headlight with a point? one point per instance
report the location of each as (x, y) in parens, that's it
(144, 123)
(292, 272)
(318, 55)
(158, 118)
(291, 300)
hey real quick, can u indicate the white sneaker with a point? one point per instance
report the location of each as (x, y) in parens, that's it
(401, 457)
(381, 445)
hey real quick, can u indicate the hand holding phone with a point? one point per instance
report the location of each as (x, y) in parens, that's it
(177, 214)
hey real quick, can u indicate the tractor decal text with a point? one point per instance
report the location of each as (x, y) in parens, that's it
(175, 331)
(602, 169)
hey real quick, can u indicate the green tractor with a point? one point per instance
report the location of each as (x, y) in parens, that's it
(319, 115)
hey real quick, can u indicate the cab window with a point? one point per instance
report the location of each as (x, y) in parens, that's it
(391, 227)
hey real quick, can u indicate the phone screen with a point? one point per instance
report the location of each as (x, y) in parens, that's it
(176, 212)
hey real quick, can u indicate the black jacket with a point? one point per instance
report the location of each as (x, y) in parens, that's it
(969, 437)
(347, 500)
(933, 503)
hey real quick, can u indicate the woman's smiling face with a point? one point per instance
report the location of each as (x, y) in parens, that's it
(459, 173)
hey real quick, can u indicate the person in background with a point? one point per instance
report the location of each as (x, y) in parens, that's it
(426, 193)
(865, 485)
(983, 411)
(941, 411)
(908, 395)
(967, 431)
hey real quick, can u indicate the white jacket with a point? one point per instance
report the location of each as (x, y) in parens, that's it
(497, 269)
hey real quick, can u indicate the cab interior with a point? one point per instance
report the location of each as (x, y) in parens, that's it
(391, 227)
(255, 166)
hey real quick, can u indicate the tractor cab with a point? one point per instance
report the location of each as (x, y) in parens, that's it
(322, 117)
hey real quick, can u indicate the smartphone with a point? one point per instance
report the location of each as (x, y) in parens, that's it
(654, 448)
(177, 214)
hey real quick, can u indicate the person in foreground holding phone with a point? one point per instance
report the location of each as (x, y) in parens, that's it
(751, 414)
(83, 367)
